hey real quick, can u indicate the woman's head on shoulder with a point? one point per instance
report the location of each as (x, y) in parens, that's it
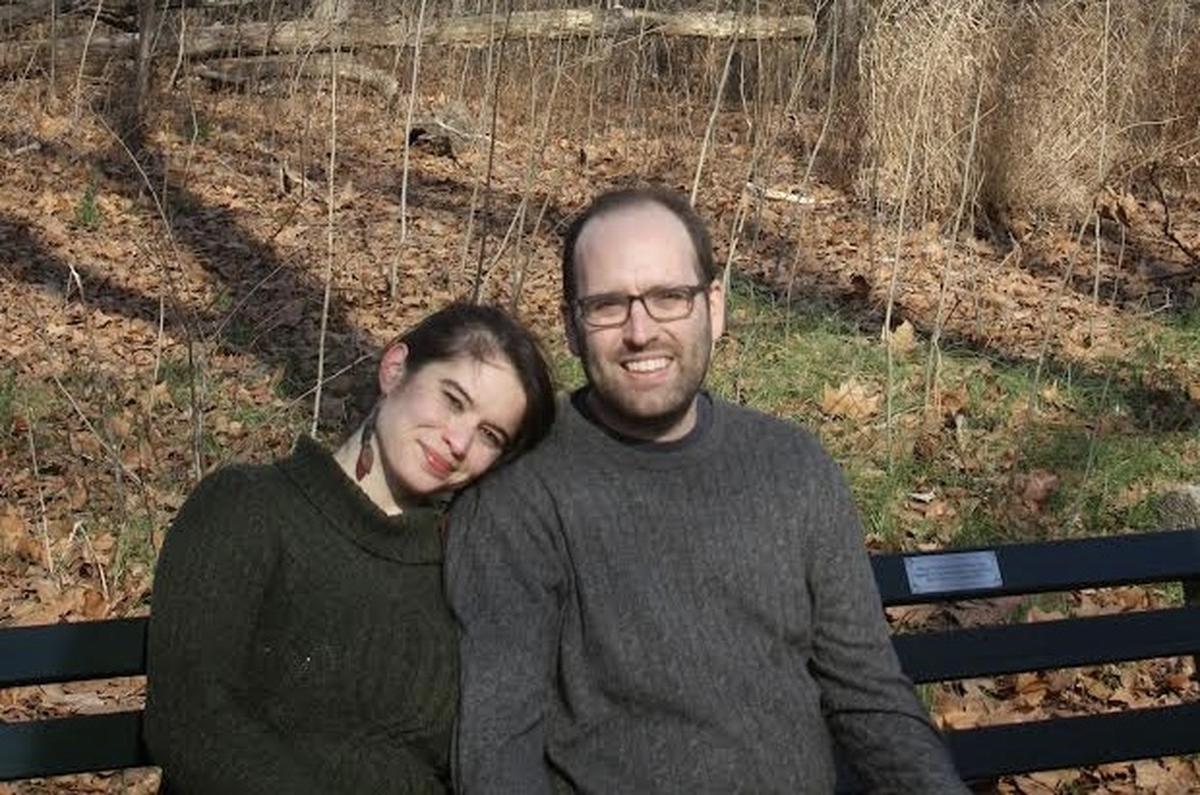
(464, 389)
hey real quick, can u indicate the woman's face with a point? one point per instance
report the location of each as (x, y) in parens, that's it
(444, 425)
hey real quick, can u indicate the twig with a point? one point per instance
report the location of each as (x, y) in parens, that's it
(53, 43)
(197, 413)
(942, 318)
(532, 168)
(91, 550)
(1162, 198)
(108, 448)
(41, 499)
(468, 236)
(87, 41)
(712, 117)
(179, 52)
(330, 239)
(477, 288)
(408, 118)
(886, 331)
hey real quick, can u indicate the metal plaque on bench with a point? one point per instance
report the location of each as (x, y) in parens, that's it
(953, 571)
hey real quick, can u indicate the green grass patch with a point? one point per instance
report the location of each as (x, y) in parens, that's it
(88, 214)
(8, 392)
(134, 545)
(175, 373)
(1083, 425)
(197, 127)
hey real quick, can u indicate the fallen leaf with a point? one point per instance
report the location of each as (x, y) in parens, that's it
(1037, 614)
(1038, 486)
(851, 401)
(901, 339)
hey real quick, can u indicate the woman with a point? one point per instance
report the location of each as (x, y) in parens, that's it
(299, 641)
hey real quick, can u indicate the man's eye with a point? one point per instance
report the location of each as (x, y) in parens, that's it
(607, 303)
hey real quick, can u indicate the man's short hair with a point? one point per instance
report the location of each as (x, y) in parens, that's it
(625, 198)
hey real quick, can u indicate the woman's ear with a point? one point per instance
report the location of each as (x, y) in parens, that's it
(391, 367)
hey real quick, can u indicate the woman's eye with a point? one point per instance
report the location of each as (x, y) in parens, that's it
(455, 402)
(493, 438)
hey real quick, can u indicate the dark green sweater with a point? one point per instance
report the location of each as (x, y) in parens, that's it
(299, 639)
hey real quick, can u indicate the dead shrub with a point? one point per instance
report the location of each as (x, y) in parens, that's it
(1071, 94)
(923, 62)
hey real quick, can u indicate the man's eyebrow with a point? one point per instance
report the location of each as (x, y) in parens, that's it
(451, 384)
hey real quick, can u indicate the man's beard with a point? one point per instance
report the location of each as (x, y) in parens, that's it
(648, 413)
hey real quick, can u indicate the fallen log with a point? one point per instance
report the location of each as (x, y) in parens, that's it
(241, 72)
(261, 38)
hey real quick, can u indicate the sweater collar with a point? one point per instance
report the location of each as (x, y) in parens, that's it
(582, 435)
(411, 537)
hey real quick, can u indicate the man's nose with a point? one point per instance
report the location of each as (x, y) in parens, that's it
(639, 326)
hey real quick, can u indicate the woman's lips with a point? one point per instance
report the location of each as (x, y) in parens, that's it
(436, 463)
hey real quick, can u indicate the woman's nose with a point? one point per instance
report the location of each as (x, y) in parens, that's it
(458, 437)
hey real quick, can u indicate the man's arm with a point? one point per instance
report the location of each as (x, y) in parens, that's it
(505, 584)
(869, 704)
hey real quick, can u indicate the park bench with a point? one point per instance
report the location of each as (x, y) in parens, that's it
(103, 649)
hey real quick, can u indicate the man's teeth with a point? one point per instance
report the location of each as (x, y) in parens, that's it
(647, 365)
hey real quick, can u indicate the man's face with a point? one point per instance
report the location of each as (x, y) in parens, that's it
(644, 373)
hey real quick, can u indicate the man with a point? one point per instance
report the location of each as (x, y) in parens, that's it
(671, 594)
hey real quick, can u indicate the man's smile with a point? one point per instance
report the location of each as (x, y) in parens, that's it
(654, 365)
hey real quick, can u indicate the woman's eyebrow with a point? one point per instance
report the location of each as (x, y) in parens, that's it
(451, 384)
(505, 439)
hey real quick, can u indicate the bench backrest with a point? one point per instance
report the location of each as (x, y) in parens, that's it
(102, 649)
(72, 653)
(1139, 559)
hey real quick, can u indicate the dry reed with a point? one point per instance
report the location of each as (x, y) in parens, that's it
(1072, 92)
(922, 62)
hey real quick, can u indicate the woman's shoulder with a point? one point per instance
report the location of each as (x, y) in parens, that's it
(238, 482)
(233, 496)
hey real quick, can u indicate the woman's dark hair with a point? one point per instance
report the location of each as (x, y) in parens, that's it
(675, 203)
(481, 332)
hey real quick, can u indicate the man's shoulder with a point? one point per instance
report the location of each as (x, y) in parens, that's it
(758, 426)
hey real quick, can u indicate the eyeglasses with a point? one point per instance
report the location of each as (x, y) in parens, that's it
(609, 310)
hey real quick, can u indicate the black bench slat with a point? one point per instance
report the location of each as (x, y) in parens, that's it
(1067, 565)
(992, 751)
(72, 652)
(97, 650)
(78, 744)
(997, 650)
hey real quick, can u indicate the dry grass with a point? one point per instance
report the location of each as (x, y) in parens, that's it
(923, 62)
(1072, 93)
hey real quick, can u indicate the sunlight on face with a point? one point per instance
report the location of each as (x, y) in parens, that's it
(644, 373)
(444, 425)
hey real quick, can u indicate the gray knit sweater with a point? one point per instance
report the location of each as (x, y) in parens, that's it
(698, 617)
(300, 640)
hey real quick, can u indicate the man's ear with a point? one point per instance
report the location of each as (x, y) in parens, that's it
(568, 319)
(391, 367)
(716, 307)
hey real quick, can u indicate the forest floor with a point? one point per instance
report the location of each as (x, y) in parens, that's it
(163, 315)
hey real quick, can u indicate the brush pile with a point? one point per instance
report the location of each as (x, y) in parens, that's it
(1015, 108)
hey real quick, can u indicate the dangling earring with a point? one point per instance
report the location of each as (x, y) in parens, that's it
(366, 455)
